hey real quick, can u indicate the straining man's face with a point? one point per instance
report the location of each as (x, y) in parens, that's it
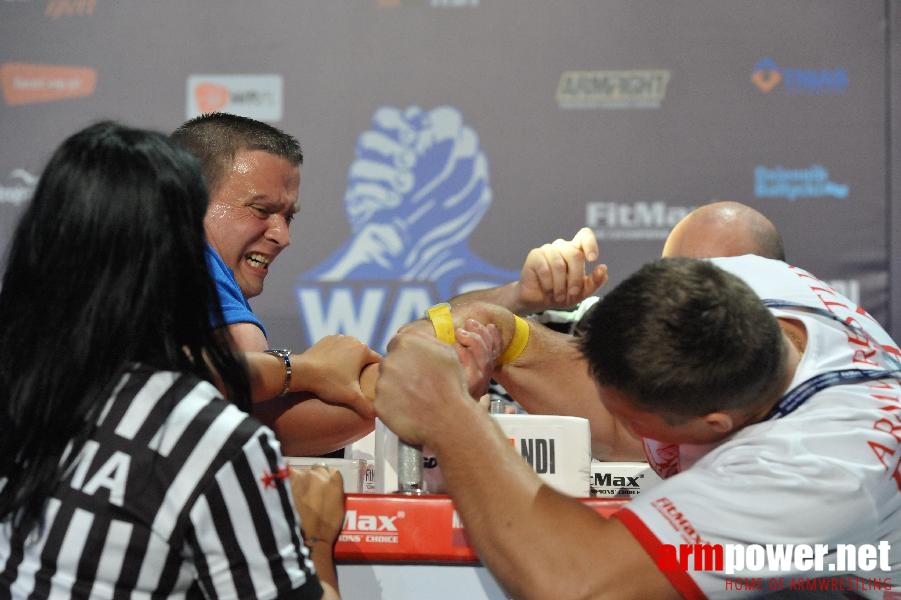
(248, 218)
(670, 429)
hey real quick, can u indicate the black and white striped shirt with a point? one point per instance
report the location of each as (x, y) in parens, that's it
(176, 494)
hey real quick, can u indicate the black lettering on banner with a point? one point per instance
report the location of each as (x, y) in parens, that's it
(540, 454)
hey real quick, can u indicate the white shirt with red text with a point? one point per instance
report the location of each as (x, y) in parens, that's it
(827, 473)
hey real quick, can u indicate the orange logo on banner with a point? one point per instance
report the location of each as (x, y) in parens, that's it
(766, 79)
(211, 97)
(69, 8)
(26, 83)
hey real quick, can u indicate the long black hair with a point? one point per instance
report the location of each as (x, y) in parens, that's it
(106, 268)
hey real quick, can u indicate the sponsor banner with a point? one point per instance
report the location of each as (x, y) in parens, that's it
(453, 3)
(429, 3)
(792, 184)
(556, 447)
(633, 220)
(257, 97)
(70, 8)
(18, 187)
(25, 83)
(767, 76)
(404, 528)
(612, 89)
(621, 479)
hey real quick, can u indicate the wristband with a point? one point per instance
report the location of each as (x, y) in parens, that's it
(440, 316)
(285, 355)
(518, 343)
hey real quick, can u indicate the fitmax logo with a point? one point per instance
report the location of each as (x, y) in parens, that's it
(634, 220)
(607, 480)
(370, 528)
(607, 484)
(354, 521)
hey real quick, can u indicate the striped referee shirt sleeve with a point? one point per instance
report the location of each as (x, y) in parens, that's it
(246, 534)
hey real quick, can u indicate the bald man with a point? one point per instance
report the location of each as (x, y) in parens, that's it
(724, 229)
(554, 275)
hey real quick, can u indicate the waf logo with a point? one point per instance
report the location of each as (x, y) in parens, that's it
(767, 76)
(254, 96)
(416, 190)
(25, 83)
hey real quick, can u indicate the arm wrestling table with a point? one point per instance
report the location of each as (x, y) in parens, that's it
(405, 547)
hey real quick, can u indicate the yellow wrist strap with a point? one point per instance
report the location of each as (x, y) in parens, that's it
(518, 343)
(440, 316)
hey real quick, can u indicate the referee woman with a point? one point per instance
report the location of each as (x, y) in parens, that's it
(123, 472)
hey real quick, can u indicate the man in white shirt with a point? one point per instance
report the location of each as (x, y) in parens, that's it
(772, 425)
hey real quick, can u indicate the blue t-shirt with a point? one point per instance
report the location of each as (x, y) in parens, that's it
(235, 308)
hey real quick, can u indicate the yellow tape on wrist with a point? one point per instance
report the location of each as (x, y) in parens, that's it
(518, 343)
(440, 316)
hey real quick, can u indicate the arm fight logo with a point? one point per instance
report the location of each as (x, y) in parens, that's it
(417, 188)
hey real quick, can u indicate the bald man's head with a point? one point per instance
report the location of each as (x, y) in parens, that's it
(724, 229)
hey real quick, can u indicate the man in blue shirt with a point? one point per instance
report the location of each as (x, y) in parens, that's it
(252, 171)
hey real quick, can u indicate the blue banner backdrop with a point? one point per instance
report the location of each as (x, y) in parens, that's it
(445, 138)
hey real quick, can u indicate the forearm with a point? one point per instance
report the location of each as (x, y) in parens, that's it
(304, 424)
(319, 499)
(267, 376)
(311, 427)
(330, 592)
(267, 379)
(551, 377)
(504, 295)
(537, 543)
(368, 378)
(322, 555)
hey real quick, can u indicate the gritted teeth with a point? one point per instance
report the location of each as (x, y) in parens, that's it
(258, 260)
